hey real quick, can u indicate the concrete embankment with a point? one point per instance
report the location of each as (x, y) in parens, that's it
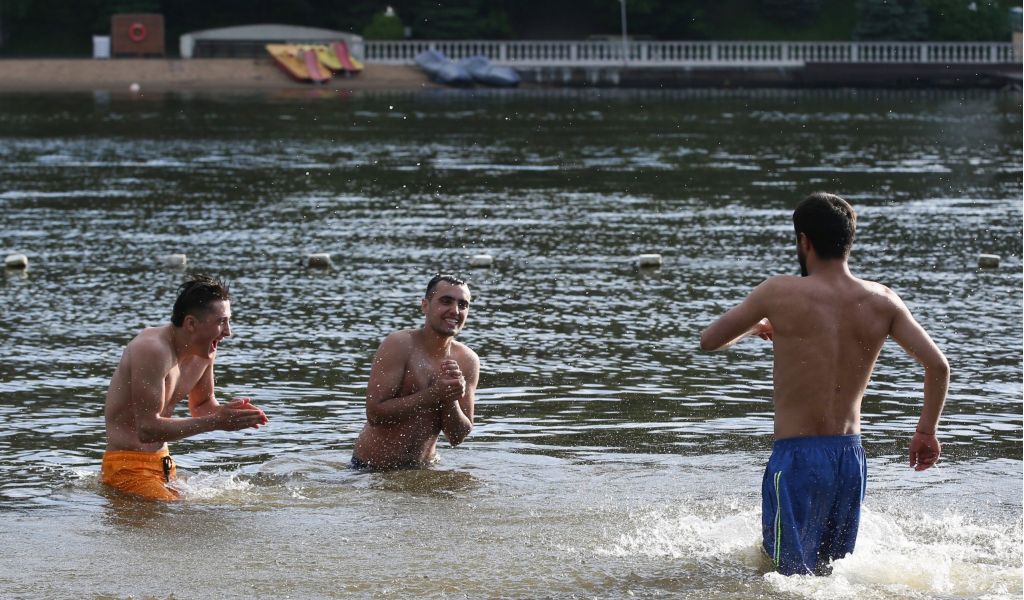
(810, 75)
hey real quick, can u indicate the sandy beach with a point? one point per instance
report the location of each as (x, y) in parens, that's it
(205, 74)
(225, 75)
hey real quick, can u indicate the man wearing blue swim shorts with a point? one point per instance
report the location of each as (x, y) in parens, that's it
(827, 328)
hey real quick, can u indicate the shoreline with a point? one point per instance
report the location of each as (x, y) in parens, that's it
(228, 75)
(200, 74)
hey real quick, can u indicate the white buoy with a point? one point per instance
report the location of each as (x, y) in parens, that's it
(16, 261)
(134, 88)
(988, 261)
(481, 260)
(319, 260)
(648, 260)
(174, 260)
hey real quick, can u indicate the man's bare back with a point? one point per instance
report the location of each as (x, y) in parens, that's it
(422, 382)
(828, 328)
(827, 331)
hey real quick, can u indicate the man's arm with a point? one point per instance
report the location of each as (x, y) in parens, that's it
(457, 419)
(383, 404)
(149, 368)
(202, 402)
(908, 333)
(747, 318)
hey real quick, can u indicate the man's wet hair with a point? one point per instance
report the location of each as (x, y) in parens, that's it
(195, 297)
(829, 222)
(436, 279)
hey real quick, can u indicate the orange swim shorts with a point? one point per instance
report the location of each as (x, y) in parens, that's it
(144, 474)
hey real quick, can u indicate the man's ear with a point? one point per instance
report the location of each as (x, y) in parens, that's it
(189, 324)
(423, 305)
(804, 242)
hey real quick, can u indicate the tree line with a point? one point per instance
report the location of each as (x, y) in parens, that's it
(65, 27)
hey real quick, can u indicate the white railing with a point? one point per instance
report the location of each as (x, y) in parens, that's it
(594, 53)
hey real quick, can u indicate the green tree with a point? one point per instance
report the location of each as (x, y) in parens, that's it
(903, 20)
(11, 10)
(664, 19)
(134, 6)
(384, 26)
(466, 19)
(109, 8)
(792, 12)
(967, 20)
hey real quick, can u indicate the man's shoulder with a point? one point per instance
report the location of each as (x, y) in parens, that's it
(401, 340)
(401, 336)
(465, 350)
(782, 281)
(151, 345)
(878, 290)
(151, 339)
(780, 284)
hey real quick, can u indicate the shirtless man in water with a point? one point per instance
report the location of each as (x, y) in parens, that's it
(827, 329)
(422, 382)
(161, 366)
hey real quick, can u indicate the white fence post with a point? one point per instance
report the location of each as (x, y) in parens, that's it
(682, 53)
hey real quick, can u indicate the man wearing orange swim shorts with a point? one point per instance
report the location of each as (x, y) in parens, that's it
(159, 367)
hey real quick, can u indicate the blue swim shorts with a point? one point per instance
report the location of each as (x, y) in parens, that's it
(810, 500)
(359, 464)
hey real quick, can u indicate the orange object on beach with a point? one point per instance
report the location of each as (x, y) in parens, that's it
(299, 64)
(144, 474)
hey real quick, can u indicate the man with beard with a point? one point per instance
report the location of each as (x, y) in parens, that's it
(827, 328)
(158, 368)
(422, 382)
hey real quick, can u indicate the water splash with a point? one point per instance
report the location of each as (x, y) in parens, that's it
(215, 485)
(898, 555)
(694, 532)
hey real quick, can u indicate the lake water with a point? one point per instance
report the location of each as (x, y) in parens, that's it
(610, 458)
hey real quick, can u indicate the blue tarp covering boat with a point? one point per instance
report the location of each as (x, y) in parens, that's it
(441, 69)
(482, 71)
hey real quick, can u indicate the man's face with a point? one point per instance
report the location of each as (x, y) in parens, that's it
(447, 308)
(212, 328)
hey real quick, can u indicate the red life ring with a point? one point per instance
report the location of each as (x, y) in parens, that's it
(137, 32)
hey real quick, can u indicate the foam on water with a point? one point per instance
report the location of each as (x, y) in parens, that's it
(694, 532)
(934, 554)
(222, 486)
(909, 555)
